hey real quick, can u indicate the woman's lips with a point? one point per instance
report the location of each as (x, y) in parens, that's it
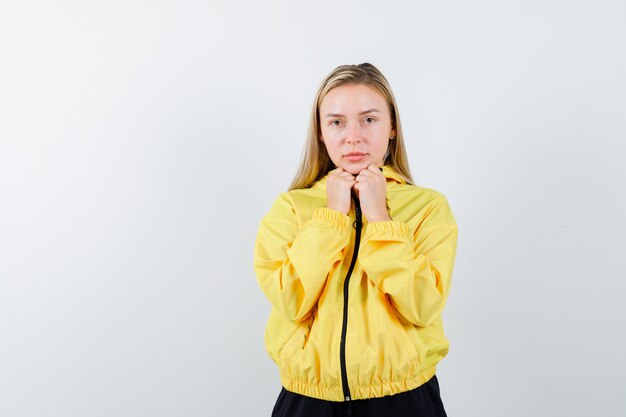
(355, 157)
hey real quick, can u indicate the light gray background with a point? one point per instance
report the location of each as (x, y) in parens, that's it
(141, 143)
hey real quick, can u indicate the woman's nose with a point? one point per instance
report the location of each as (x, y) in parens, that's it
(353, 133)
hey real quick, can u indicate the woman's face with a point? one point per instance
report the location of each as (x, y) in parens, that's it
(356, 126)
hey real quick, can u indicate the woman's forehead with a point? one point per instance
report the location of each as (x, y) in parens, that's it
(354, 98)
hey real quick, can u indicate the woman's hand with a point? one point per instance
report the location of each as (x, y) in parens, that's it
(371, 188)
(339, 184)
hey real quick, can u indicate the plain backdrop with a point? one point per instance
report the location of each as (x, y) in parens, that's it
(141, 142)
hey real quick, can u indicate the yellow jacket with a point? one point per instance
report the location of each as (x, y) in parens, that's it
(396, 290)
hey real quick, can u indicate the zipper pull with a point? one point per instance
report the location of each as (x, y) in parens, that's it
(357, 208)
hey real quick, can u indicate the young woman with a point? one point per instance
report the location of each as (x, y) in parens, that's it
(356, 261)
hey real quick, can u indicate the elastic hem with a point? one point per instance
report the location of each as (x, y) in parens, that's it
(362, 392)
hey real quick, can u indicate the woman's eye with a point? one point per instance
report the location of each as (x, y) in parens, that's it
(369, 119)
(335, 122)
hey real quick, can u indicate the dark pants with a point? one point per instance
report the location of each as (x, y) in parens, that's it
(423, 401)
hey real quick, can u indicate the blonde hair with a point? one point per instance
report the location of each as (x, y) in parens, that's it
(315, 162)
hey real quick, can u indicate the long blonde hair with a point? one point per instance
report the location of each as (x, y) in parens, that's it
(315, 162)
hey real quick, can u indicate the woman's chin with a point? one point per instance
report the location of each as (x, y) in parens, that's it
(353, 168)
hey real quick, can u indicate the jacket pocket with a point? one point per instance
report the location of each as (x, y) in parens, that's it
(297, 341)
(406, 335)
(278, 333)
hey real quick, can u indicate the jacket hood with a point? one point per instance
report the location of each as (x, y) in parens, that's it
(388, 171)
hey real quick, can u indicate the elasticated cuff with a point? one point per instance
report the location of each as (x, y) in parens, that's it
(333, 217)
(388, 229)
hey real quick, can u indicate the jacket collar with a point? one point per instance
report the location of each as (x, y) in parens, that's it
(388, 172)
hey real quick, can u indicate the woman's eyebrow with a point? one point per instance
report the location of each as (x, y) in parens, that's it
(362, 113)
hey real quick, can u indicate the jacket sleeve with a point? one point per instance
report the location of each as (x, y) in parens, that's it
(413, 267)
(292, 262)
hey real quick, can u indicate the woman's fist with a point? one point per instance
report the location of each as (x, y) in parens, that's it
(339, 184)
(371, 188)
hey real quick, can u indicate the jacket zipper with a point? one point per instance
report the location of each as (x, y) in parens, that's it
(344, 327)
